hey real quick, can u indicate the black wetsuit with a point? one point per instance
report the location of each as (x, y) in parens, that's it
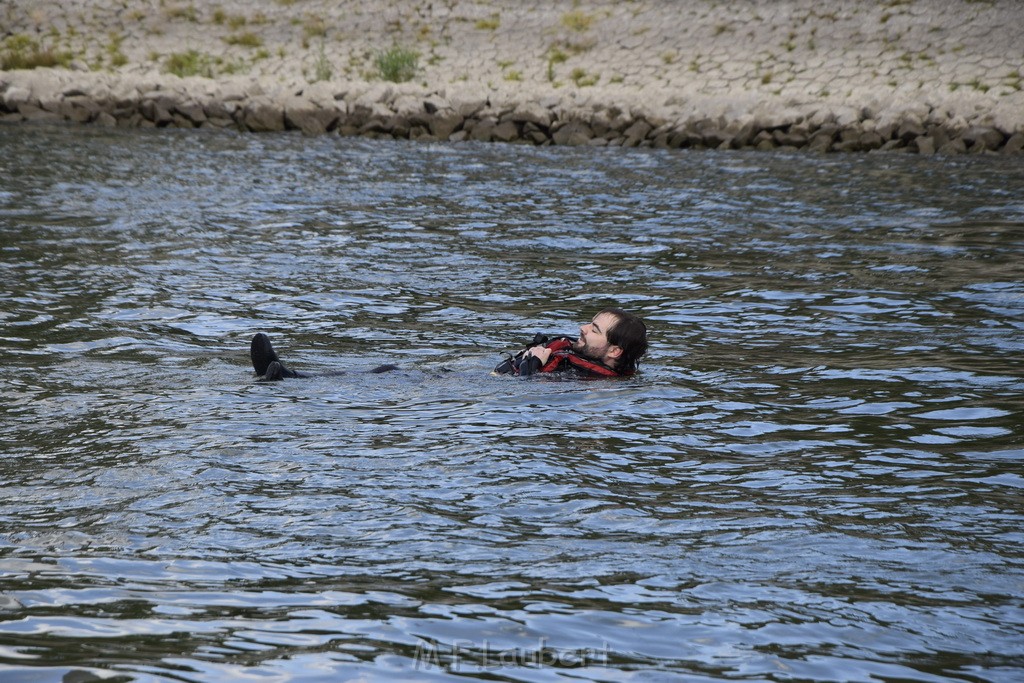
(269, 367)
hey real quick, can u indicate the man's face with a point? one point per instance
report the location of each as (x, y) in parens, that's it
(593, 341)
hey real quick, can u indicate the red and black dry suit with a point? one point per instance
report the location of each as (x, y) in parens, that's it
(562, 358)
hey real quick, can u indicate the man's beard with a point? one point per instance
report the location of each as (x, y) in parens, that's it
(580, 348)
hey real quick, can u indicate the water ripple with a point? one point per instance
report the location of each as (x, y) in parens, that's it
(816, 475)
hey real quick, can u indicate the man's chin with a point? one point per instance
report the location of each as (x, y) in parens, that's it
(581, 350)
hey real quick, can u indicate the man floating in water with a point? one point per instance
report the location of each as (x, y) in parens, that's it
(610, 345)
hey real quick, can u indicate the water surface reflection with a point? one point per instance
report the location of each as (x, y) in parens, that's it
(817, 475)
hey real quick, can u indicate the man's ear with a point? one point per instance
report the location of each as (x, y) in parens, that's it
(614, 351)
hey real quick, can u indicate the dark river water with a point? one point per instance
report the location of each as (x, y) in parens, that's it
(818, 473)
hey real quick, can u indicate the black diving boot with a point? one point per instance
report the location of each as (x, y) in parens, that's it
(275, 372)
(264, 358)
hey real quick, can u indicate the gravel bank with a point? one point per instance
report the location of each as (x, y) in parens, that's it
(926, 76)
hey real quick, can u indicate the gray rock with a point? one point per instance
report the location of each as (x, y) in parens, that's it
(134, 120)
(157, 108)
(219, 110)
(191, 110)
(637, 133)
(105, 119)
(714, 138)
(847, 117)
(550, 101)
(33, 112)
(398, 126)
(535, 135)
(742, 133)
(600, 123)
(483, 129)
(14, 97)
(434, 104)
(939, 135)
(262, 115)
(179, 121)
(660, 141)
(530, 112)
(847, 145)
(910, 128)
(984, 137)
(444, 123)
(956, 146)
(794, 138)
(362, 112)
(470, 107)
(572, 133)
(1015, 144)
(505, 132)
(52, 104)
(218, 122)
(870, 140)
(885, 130)
(79, 109)
(311, 119)
(923, 145)
(679, 137)
(421, 134)
(411, 107)
(820, 142)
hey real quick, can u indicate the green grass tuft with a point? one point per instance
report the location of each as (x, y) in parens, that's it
(491, 24)
(577, 20)
(24, 52)
(322, 70)
(398, 65)
(190, 63)
(245, 40)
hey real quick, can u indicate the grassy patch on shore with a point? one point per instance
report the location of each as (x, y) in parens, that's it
(186, 12)
(491, 24)
(247, 39)
(555, 56)
(577, 20)
(398, 65)
(582, 79)
(190, 63)
(117, 57)
(195, 63)
(322, 69)
(24, 52)
(314, 26)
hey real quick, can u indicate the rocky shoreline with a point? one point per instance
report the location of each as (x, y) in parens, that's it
(410, 112)
(685, 108)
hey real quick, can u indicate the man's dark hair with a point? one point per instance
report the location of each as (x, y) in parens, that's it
(629, 333)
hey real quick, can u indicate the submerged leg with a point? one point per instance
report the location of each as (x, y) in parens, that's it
(269, 367)
(387, 367)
